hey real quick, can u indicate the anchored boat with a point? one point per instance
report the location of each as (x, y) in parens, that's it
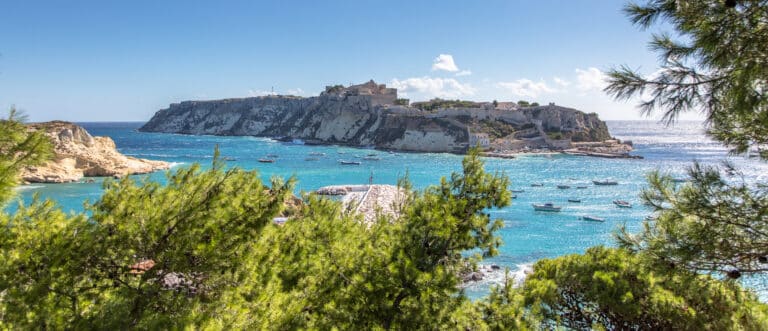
(546, 207)
(605, 182)
(592, 218)
(622, 203)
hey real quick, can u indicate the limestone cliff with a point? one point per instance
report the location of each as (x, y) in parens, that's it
(366, 115)
(78, 154)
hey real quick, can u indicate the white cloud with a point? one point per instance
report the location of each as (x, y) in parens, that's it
(433, 87)
(260, 93)
(464, 73)
(561, 82)
(590, 79)
(296, 91)
(526, 87)
(444, 62)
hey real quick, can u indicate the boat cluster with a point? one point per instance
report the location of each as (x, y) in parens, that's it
(551, 207)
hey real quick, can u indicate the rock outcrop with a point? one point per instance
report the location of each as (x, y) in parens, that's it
(366, 115)
(78, 154)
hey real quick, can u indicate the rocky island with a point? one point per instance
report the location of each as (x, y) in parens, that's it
(371, 115)
(78, 154)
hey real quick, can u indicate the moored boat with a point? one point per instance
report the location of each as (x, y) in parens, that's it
(517, 191)
(371, 158)
(343, 162)
(267, 160)
(316, 154)
(537, 185)
(574, 200)
(605, 182)
(581, 187)
(592, 218)
(622, 203)
(546, 207)
(311, 159)
(563, 187)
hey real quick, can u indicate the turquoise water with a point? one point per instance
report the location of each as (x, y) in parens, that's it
(527, 235)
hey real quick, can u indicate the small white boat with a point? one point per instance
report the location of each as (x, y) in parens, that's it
(605, 182)
(581, 187)
(517, 191)
(592, 218)
(343, 162)
(546, 207)
(574, 200)
(622, 203)
(537, 185)
(267, 160)
(316, 154)
(563, 187)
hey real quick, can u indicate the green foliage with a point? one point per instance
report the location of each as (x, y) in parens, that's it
(717, 66)
(334, 89)
(709, 224)
(523, 103)
(120, 265)
(608, 288)
(534, 104)
(438, 103)
(19, 148)
(402, 102)
(63, 271)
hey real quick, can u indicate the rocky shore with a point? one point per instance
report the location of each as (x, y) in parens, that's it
(78, 154)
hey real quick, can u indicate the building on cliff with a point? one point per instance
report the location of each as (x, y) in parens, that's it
(379, 94)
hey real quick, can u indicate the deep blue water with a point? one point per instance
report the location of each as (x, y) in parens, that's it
(527, 235)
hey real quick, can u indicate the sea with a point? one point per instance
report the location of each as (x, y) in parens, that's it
(527, 235)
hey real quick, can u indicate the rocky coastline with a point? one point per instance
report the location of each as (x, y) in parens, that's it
(77, 154)
(371, 115)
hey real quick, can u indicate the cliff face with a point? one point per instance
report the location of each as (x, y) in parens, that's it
(363, 115)
(78, 154)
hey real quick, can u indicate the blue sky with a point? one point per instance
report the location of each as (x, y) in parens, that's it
(124, 60)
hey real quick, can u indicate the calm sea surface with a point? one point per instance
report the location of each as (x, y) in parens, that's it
(527, 235)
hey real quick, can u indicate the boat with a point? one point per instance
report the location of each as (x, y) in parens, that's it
(574, 200)
(680, 180)
(537, 185)
(343, 162)
(581, 187)
(517, 191)
(622, 203)
(514, 196)
(546, 207)
(605, 182)
(371, 158)
(371, 154)
(563, 187)
(228, 158)
(316, 154)
(267, 160)
(311, 159)
(592, 218)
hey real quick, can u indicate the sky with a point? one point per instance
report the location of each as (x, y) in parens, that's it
(124, 60)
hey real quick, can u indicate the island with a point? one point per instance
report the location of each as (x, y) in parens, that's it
(372, 115)
(77, 154)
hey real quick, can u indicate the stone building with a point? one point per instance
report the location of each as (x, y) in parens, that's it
(479, 139)
(379, 94)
